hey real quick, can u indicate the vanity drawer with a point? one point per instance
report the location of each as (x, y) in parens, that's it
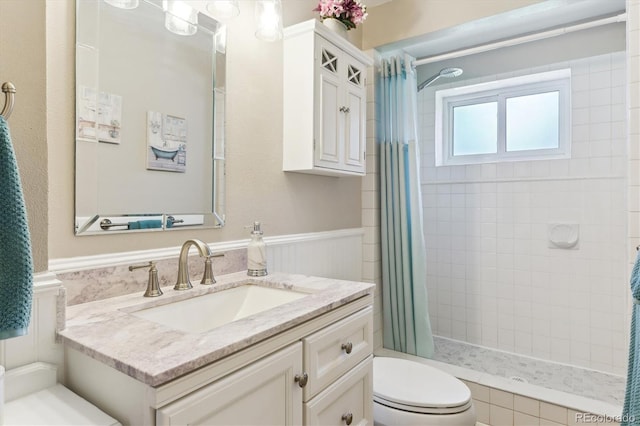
(348, 401)
(334, 350)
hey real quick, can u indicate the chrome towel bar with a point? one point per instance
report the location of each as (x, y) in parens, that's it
(9, 94)
(106, 224)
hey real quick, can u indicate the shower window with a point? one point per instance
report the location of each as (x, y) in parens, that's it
(532, 122)
(522, 118)
(475, 129)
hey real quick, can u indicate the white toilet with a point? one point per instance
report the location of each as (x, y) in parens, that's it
(408, 393)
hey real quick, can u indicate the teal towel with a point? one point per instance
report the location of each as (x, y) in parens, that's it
(145, 224)
(631, 410)
(16, 265)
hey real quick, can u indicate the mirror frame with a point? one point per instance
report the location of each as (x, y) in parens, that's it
(107, 223)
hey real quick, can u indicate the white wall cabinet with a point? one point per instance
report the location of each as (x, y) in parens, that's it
(324, 102)
(318, 373)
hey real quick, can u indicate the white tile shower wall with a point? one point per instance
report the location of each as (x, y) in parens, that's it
(371, 266)
(633, 129)
(492, 280)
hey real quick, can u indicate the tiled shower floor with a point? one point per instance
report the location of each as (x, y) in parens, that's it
(574, 380)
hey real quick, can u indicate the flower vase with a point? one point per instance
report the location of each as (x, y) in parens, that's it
(336, 26)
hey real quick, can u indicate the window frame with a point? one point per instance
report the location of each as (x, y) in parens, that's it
(499, 91)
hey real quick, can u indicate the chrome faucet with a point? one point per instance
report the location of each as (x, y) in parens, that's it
(183, 282)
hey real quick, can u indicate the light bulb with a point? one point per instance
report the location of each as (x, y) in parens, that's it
(180, 18)
(223, 10)
(269, 17)
(123, 4)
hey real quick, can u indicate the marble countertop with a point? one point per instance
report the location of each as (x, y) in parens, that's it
(156, 354)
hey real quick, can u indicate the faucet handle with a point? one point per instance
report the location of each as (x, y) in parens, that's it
(153, 285)
(207, 278)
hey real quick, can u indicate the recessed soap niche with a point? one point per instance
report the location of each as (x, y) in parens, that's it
(563, 236)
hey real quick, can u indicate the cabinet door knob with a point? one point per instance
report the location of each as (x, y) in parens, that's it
(344, 109)
(347, 418)
(347, 347)
(301, 379)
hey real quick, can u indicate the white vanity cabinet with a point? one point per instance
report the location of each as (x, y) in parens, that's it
(339, 364)
(329, 370)
(348, 401)
(324, 102)
(316, 373)
(263, 393)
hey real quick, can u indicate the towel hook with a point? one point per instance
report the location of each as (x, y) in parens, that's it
(9, 92)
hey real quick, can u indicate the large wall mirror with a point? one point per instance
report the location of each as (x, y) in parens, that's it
(150, 97)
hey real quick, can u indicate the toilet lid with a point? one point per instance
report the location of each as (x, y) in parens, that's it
(412, 386)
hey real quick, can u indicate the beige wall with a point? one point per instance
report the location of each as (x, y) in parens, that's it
(257, 188)
(401, 19)
(22, 61)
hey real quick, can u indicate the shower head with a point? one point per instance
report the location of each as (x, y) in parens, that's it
(445, 72)
(450, 72)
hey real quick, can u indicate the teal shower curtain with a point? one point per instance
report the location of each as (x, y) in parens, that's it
(631, 408)
(404, 292)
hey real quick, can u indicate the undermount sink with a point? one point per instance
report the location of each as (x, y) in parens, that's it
(203, 313)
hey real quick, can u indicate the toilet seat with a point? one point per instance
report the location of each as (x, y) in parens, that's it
(418, 388)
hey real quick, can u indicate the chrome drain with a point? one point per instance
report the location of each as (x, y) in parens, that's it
(518, 379)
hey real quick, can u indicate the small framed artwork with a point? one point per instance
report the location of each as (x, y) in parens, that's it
(166, 142)
(87, 98)
(109, 117)
(99, 115)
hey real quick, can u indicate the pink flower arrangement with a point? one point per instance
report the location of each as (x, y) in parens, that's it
(349, 12)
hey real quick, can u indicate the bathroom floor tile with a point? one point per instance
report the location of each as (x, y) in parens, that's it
(574, 380)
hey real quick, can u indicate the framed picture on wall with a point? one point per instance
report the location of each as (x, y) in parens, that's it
(109, 117)
(166, 142)
(86, 121)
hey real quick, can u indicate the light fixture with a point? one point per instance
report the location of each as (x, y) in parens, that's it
(269, 18)
(223, 10)
(180, 18)
(123, 4)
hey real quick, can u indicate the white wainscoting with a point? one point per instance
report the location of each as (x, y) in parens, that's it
(334, 254)
(40, 342)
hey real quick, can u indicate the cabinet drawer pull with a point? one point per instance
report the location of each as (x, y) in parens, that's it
(347, 418)
(301, 379)
(347, 347)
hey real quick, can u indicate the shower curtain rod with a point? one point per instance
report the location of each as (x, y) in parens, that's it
(519, 40)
